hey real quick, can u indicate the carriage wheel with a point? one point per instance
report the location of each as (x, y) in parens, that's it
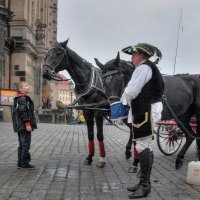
(169, 139)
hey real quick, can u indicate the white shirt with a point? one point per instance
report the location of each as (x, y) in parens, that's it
(139, 78)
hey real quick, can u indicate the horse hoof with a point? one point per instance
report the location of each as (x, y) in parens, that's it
(128, 154)
(133, 169)
(100, 164)
(179, 163)
(87, 161)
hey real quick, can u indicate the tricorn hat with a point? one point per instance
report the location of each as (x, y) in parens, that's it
(144, 48)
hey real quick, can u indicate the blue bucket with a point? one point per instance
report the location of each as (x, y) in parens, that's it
(118, 111)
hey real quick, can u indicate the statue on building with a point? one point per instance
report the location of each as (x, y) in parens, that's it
(39, 32)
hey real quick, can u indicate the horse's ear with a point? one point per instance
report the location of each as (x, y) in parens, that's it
(117, 60)
(100, 65)
(64, 44)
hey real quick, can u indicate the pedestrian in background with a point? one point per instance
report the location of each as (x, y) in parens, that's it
(23, 123)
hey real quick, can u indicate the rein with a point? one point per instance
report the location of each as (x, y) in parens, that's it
(88, 106)
(178, 122)
(115, 125)
(84, 107)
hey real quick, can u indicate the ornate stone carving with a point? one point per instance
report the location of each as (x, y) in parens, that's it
(39, 31)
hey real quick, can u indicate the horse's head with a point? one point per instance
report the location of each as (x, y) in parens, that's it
(115, 74)
(55, 60)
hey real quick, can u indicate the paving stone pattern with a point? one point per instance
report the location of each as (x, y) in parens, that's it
(58, 152)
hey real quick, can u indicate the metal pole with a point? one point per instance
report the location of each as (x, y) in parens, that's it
(177, 41)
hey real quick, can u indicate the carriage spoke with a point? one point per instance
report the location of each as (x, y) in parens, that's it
(163, 140)
(164, 146)
(168, 140)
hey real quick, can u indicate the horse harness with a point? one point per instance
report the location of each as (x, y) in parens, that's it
(92, 85)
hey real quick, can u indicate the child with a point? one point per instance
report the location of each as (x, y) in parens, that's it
(23, 123)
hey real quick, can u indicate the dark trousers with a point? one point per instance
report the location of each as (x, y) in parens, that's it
(24, 138)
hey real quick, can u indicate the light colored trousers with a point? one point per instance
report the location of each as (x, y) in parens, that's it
(156, 110)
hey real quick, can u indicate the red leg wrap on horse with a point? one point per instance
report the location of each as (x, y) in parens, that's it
(102, 149)
(135, 153)
(91, 148)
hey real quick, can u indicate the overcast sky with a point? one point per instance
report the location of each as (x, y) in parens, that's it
(101, 28)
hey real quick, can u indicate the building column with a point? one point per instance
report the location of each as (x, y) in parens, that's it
(5, 17)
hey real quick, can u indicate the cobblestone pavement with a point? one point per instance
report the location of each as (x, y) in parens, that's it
(58, 152)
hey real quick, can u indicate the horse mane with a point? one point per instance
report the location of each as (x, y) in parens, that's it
(74, 57)
(182, 74)
(177, 75)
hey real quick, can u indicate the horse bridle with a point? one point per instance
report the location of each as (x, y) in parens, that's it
(53, 75)
(114, 72)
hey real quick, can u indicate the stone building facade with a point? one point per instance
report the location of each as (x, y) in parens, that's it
(28, 29)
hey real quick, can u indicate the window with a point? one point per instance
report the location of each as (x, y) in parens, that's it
(22, 78)
(16, 67)
(20, 73)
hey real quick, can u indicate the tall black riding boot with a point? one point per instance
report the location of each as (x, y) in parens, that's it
(133, 189)
(143, 188)
(152, 161)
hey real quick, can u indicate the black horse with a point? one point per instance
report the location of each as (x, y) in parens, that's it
(88, 88)
(182, 92)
